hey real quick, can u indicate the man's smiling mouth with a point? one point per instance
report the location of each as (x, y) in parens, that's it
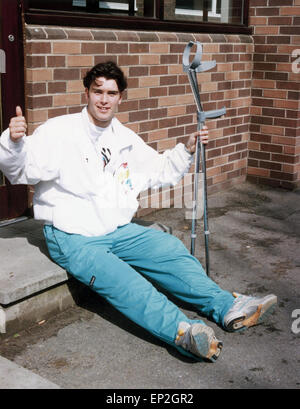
(103, 109)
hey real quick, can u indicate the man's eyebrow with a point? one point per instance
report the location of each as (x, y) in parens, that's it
(115, 91)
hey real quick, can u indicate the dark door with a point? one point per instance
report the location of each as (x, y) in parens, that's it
(13, 199)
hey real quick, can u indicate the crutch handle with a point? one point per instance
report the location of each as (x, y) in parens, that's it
(216, 113)
(196, 65)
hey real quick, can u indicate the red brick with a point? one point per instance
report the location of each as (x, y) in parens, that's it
(56, 61)
(92, 48)
(56, 87)
(66, 74)
(168, 80)
(159, 70)
(148, 126)
(138, 48)
(271, 148)
(283, 158)
(39, 48)
(128, 60)
(138, 71)
(138, 116)
(36, 61)
(282, 175)
(177, 90)
(267, 11)
(158, 113)
(290, 11)
(270, 165)
(167, 123)
(158, 92)
(116, 48)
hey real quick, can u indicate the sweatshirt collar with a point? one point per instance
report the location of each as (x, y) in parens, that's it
(122, 133)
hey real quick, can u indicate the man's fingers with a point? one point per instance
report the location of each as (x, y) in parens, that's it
(192, 141)
(19, 128)
(17, 135)
(18, 122)
(203, 133)
(19, 111)
(17, 125)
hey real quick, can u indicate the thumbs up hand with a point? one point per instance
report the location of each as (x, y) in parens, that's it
(17, 126)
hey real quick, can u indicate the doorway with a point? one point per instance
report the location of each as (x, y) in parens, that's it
(13, 198)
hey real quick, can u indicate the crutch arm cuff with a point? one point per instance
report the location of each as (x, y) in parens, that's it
(202, 116)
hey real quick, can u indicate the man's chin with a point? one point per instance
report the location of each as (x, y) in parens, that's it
(102, 120)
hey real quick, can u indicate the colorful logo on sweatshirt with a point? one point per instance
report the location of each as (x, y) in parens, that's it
(123, 176)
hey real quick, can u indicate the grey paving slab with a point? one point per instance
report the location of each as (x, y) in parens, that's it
(13, 376)
(25, 266)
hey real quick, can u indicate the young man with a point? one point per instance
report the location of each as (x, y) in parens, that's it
(88, 170)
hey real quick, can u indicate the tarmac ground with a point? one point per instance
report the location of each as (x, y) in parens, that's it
(254, 249)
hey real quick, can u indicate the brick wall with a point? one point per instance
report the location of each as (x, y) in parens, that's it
(274, 147)
(158, 104)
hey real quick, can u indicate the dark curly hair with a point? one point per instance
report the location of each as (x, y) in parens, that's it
(108, 70)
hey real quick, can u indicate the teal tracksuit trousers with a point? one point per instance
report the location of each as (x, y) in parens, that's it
(117, 265)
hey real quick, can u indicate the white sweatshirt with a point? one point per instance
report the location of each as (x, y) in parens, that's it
(73, 189)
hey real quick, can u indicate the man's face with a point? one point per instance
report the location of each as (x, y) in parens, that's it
(103, 99)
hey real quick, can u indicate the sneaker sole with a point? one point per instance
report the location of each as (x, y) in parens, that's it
(204, 343)
(263, 311)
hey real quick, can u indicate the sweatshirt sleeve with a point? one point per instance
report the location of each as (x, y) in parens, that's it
(12, 158)
(165, 168)
(31, 160)
(171, 166)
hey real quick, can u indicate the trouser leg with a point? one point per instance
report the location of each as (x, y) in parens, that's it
(115, 280)
(165, 260)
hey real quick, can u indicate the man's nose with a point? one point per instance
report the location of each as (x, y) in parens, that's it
(103, 98)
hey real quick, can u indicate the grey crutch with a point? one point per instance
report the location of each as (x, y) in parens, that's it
(198, 66)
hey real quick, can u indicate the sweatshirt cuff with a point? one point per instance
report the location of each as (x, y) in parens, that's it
(187, 155)
(8, 144)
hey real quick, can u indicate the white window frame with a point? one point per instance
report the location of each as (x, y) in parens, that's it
(112, 5)
(190, 12)
(224, 16)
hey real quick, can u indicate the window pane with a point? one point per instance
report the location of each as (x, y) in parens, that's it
(139, 8)
(210, 11)
(115, 7)
(214, 11)
(79, 3)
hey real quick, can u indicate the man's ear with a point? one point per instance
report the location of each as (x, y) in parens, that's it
(86, 92)
(121, 96)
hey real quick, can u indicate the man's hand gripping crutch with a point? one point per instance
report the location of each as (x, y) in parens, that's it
(197, 66)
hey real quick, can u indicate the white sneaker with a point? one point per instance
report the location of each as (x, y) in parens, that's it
(200, 340)
(248, 311)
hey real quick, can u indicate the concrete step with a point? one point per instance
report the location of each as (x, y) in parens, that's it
(13, 376)
(25, 266)
(32, 287)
